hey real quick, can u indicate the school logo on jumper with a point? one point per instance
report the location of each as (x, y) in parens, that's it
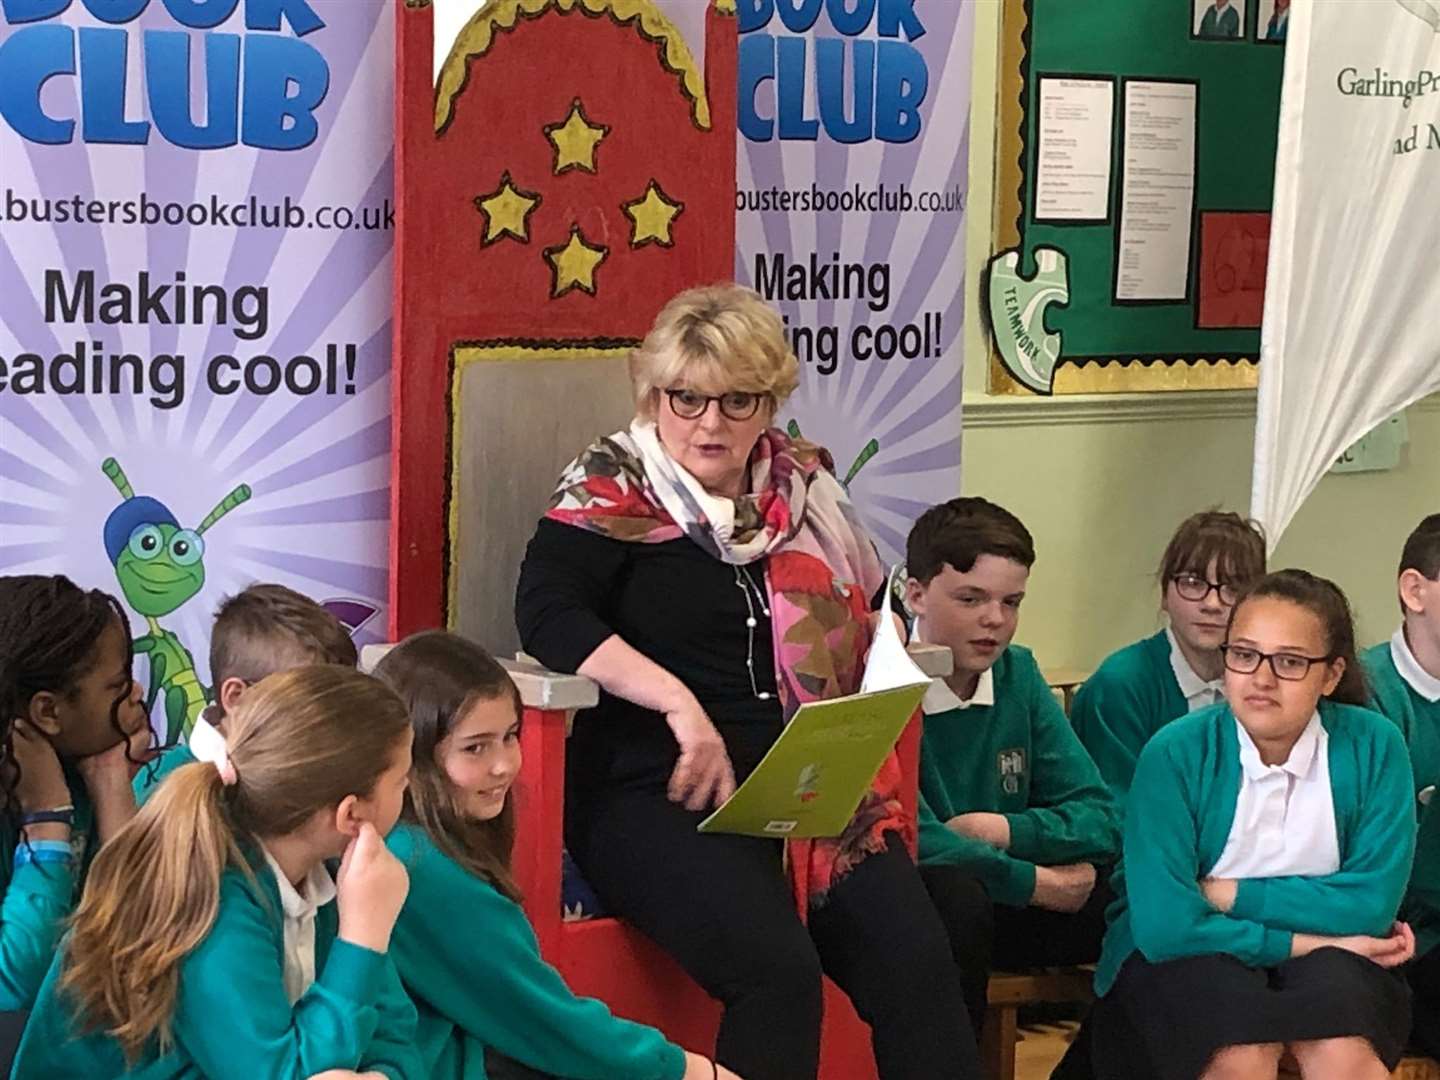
(1428, 10)
(1011, 764)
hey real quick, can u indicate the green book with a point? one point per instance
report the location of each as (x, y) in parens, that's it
(813, 778)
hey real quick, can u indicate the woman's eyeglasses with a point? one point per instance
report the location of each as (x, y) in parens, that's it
(1194, 587)
(1292, 667)
(735, 405)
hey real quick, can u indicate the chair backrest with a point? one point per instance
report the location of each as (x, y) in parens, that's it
(552, 405)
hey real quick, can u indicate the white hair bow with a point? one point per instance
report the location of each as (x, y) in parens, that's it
(207, 744)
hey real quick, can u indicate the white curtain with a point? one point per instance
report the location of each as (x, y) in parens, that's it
(1352, 305)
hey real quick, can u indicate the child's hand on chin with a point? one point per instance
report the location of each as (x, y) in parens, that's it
(370, 890)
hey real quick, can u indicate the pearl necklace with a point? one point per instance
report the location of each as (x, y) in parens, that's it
(754, 595)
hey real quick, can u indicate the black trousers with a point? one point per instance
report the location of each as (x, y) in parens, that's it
(985, 935)
(722, 907)
(1424, 976)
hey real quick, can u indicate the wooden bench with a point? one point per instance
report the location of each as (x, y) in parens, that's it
(1009, 991)
(1006, 993)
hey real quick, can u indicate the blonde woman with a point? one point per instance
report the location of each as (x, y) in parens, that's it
(711, 575)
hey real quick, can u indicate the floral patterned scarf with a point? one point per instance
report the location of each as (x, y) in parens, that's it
(821, 571)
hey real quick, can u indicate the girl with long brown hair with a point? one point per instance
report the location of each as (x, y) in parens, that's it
(488, 989)
(206, 942)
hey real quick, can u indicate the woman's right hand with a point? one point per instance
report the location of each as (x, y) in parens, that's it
(370, 890)
(42, 782)
(703, 776)
(700, 1067)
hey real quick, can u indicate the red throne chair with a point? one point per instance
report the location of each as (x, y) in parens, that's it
(562, 169)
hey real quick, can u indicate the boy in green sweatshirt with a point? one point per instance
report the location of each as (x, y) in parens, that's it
(1405, 684)
(1014, 817)
(261, 631)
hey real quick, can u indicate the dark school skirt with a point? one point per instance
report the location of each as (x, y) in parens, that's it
(1166, 1021)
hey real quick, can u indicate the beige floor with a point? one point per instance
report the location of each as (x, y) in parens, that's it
(1041, 1047)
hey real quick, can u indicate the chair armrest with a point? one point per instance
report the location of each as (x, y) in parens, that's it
(937, 661)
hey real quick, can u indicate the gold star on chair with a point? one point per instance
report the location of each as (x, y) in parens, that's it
(575, 140)
(507, 212)
(652, 215)
(574, 263)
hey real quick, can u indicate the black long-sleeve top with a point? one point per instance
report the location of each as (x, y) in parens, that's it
(675, 604)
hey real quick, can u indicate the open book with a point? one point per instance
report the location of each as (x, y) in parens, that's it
(814, 776)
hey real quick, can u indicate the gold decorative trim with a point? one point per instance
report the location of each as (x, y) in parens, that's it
(500, 16)
(1092, 375)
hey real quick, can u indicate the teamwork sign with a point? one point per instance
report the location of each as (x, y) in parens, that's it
(853, 125)
(195, 282)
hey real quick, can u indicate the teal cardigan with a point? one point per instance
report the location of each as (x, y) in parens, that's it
(1019, 758)
(1130, 697)
(39, 897)
(486, 985)
(232, 1019)
(1182, 803)
(1419, 721)
(147, 780)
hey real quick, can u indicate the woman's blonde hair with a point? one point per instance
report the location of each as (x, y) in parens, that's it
(300, 741)
(718, 337)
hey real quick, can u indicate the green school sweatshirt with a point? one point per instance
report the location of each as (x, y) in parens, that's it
(1018, 757)
(232, 1019)
(1131, 696)
(1183, 798)
(149, 776)
(1419, 722)
(484, 984)
(39, 897)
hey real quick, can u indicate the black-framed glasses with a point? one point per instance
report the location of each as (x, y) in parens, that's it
(735, 405)
(1243, 660)
(1194, 587)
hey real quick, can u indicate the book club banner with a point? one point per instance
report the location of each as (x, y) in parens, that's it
(196, 222)
(195, 232)
(850, 217)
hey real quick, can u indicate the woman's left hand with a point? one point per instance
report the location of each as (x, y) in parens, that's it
(876, 616)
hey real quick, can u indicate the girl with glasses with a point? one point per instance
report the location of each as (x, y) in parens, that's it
(1266, 852)
(1147, 684)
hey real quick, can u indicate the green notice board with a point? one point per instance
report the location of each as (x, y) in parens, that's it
(1172, 299)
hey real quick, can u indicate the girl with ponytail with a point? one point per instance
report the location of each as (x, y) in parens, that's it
(207, 942)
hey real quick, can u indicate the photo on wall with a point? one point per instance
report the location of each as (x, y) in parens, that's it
(1272, 22)
(1218, 20)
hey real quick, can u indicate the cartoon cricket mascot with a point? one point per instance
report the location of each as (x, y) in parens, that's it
(160, 567)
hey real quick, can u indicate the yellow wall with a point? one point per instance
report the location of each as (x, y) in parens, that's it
(1102, 481)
